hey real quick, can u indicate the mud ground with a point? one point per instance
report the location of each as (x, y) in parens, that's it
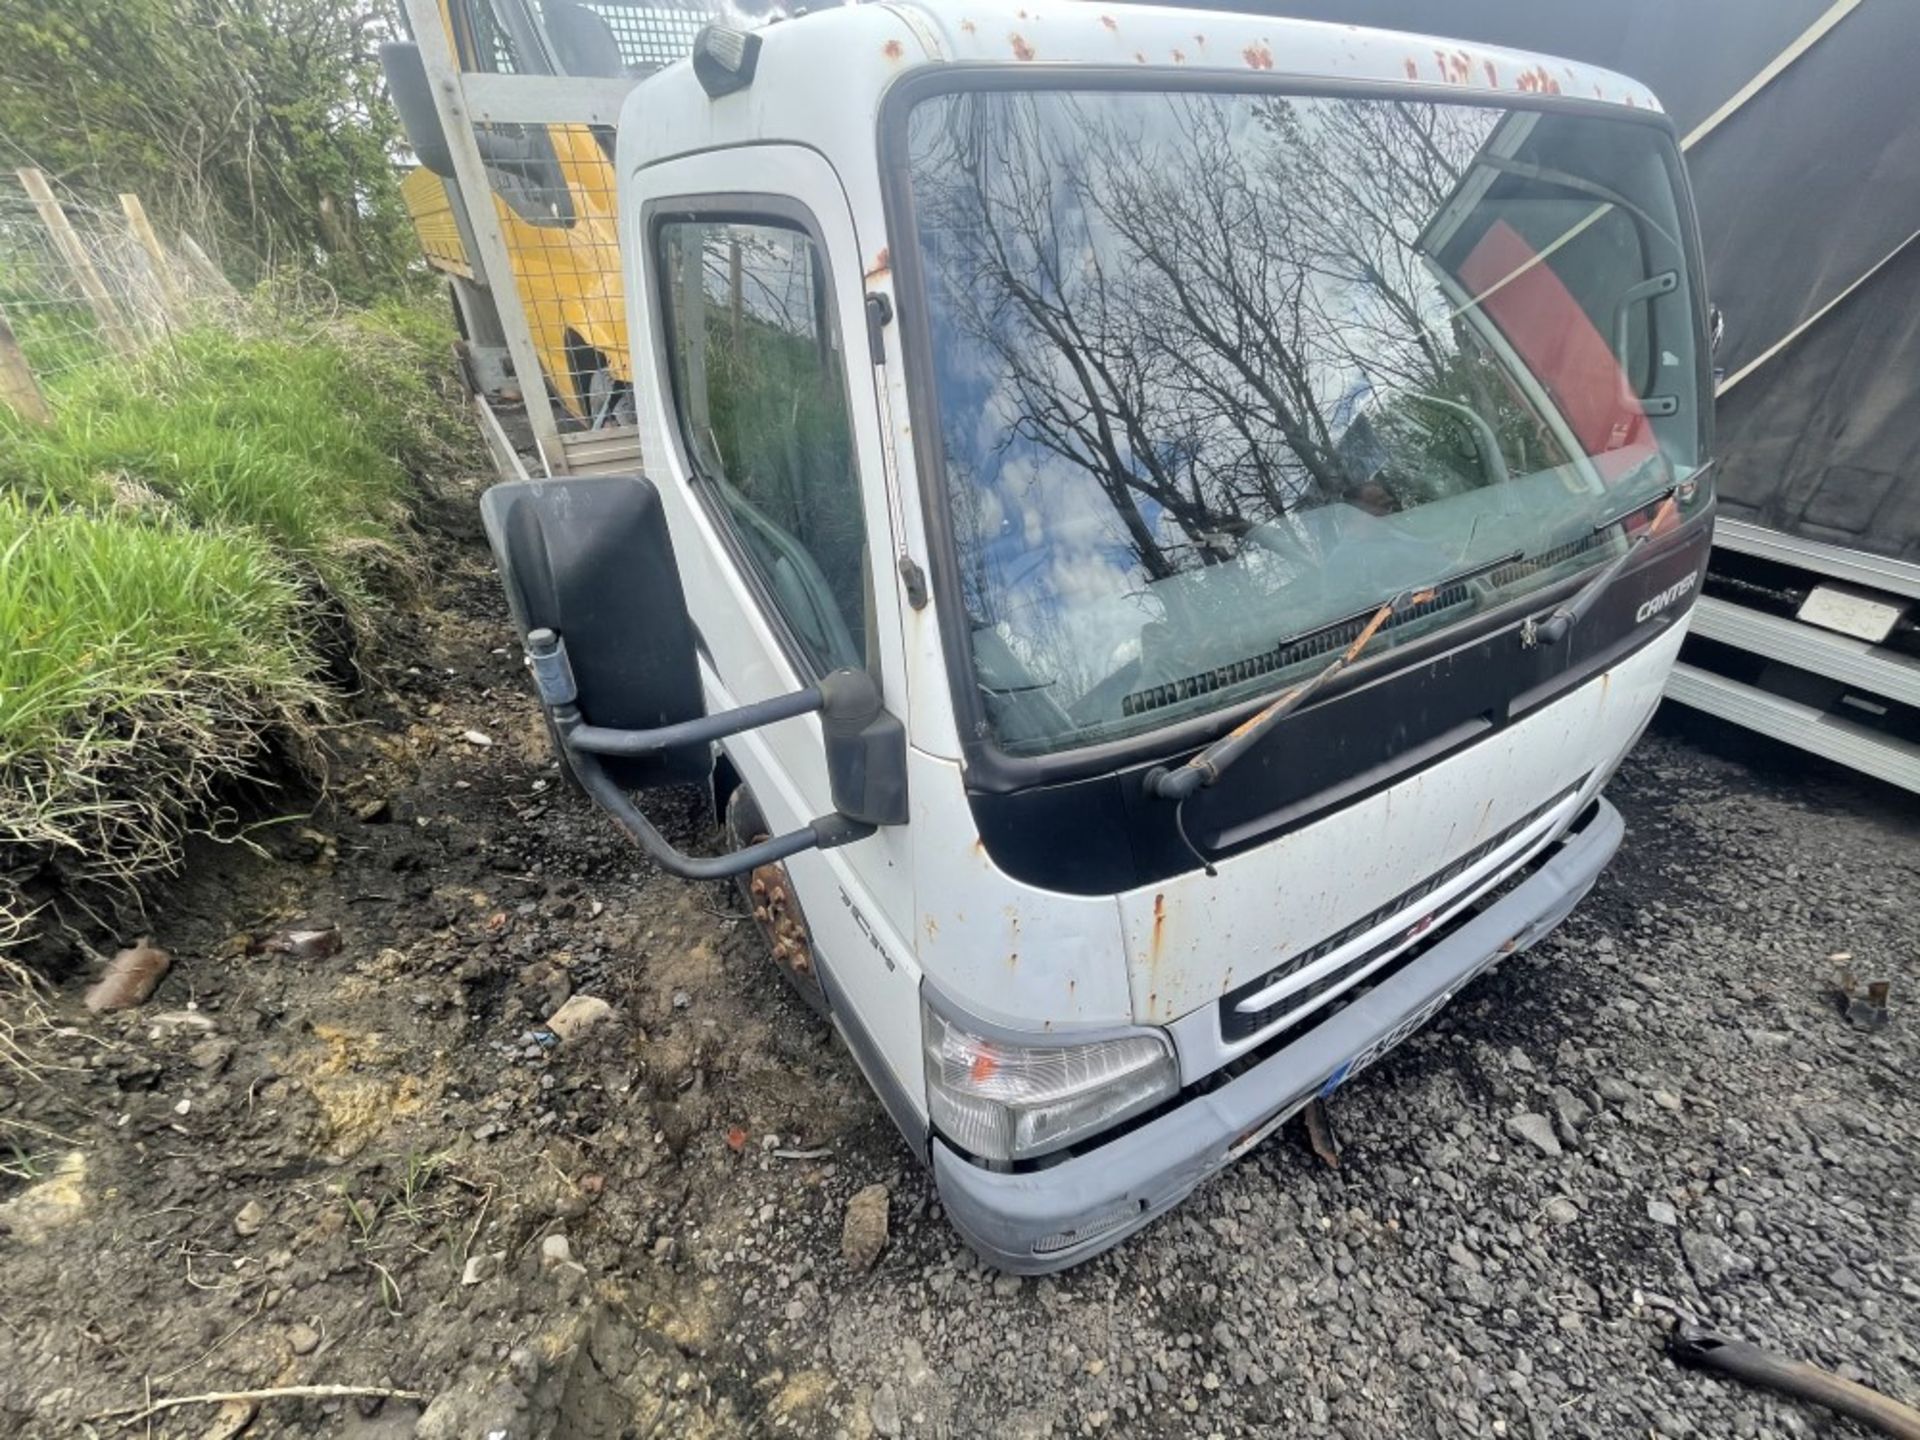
(369, 1168)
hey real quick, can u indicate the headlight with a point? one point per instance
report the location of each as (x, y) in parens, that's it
(1004, 1101)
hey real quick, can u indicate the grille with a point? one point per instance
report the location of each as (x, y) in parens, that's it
(1236, 1024)
(1333, 639)
(1546, 559)
(1338, 636)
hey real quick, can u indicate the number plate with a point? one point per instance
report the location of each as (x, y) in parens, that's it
(1850, 612)
(1346, 1072)
(1386, 1042)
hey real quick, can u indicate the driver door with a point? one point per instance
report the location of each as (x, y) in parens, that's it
(761, 429)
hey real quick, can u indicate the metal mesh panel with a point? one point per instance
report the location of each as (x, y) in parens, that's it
(648, 36)
(553, 192)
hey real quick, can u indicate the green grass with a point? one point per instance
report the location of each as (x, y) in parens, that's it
(308, 439)
(175, 552)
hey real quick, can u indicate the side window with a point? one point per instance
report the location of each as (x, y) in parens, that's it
(759, 382)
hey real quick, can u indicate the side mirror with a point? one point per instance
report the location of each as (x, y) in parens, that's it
(590, 562)
(595, 593)
(413, 97)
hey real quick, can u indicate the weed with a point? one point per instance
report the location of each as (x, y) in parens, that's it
(422, 1168)
(365, 1216)
(389, 1288)
(25, 1165)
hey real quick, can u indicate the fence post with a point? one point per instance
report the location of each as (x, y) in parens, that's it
(19, 391)
(204, 263)
(68, 241)
(142, 228)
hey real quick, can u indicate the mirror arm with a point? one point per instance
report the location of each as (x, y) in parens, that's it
(825, 833)
(598, 740)
(559, 696)
(553, 677)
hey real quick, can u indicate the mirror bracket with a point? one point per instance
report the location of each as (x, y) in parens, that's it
(826, 833)
(869, 783)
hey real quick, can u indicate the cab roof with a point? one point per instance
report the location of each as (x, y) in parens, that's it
(821, 76)
(1083, 32)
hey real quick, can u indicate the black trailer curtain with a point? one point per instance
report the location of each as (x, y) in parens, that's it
(1802, 191)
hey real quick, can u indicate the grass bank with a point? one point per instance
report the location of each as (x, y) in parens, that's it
(184, 554)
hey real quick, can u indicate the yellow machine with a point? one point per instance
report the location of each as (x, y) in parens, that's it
(553, 185)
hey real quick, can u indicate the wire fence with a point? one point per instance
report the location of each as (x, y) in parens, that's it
(83, 284)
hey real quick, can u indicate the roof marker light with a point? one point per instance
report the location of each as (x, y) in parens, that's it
(724, 59)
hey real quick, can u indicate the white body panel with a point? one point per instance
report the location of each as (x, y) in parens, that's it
(785, 764)
(1281, 898)
(1024, 958)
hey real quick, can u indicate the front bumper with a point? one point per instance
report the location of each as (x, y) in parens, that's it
(1036, 1221)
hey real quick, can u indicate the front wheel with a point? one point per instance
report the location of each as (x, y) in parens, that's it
(768, 891)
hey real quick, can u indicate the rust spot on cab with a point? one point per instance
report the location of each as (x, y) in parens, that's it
(1109, 22)
(1021, 49)
(882, 263)
(893, 50)
(967, 27)
(1258, 57)
(979, 845)
(1201, 41)
(1159, 924)
(1139, 57)
(1492, 73)
(1538, 82)
(1013, 960)
(1179, 56)
(1413, 70)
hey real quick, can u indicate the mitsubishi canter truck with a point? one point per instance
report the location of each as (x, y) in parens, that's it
(1157, 527)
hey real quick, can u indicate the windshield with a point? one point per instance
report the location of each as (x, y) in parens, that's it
(1218, 373)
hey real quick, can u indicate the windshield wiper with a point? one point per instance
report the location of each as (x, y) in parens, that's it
(1210, 764)
(1557, 626)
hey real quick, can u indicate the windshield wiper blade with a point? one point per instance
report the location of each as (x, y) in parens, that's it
(1210, 764)
(1557, 626)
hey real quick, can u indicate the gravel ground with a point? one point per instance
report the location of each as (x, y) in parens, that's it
(369, 1168)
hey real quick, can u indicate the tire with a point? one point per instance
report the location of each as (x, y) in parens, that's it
(770, 899)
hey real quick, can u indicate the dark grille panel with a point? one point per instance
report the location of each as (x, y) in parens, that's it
(1547, 559)
(1236, 1025)
(1338, 636)
(1329, 641)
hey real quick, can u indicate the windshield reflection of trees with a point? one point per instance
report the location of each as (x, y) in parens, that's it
(1217, 308)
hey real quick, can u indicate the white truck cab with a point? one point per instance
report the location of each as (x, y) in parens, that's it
(1157, 525)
